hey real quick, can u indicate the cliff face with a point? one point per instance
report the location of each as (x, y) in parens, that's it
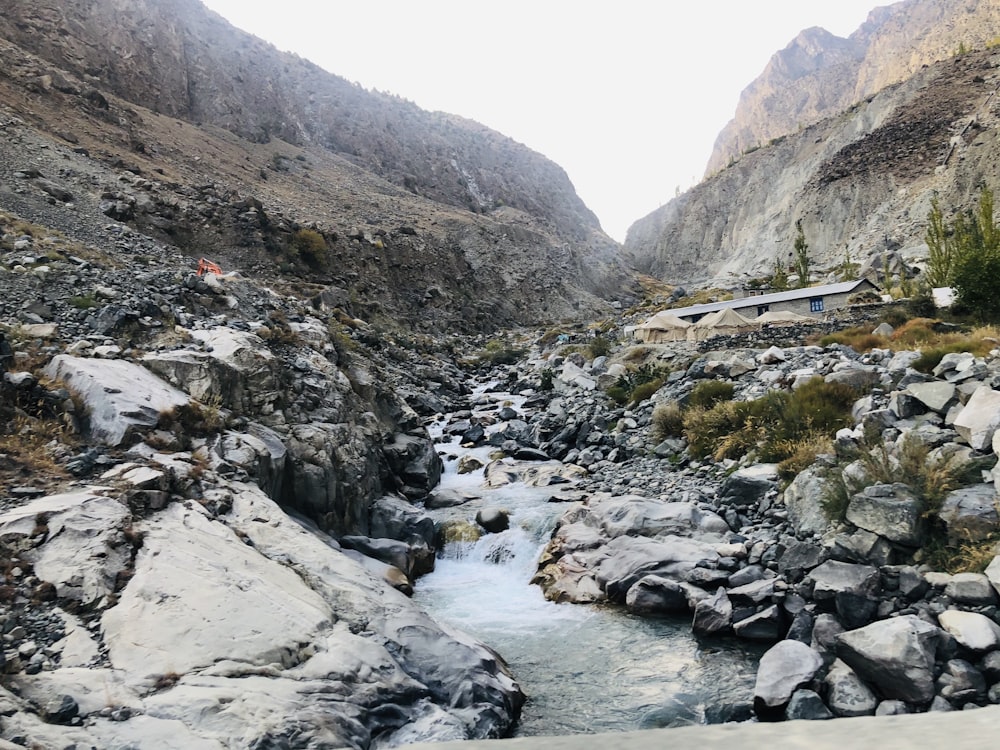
(168, 90)
(860, 182)
(819, 75)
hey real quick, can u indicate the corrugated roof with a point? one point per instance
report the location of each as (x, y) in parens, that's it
(842, 287)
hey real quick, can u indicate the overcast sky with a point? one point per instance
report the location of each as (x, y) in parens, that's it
(626, 95)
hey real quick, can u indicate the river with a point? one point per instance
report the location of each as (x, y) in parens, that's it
(584, 668)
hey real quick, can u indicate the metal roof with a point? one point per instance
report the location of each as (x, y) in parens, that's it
(842, 287)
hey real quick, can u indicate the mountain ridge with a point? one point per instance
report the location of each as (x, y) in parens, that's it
(176, 89)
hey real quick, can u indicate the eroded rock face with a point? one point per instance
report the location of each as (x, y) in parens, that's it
(119, 396)
(271, 629)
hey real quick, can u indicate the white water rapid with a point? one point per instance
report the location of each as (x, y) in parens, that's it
(584, 668)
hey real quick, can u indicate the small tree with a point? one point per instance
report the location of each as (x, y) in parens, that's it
(779, 279)
(965, 254)
(802, 261)
(941, 247)
(848, 269)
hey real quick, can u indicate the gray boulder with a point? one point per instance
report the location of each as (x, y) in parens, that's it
(630, 558)
(980, 417)
(973, 589)
(896, 655)
(833, 578)
(783, 668)
(847, 693)
(972, 630)
(494, 520)
(413, 459)
(807, 705)
(935, 395)
(656, 595)
(804, 500)
(120, 397)
(769, 624)
(235, 369)
(889, 510)
(970, 513)
(993, 573)
(714, 615)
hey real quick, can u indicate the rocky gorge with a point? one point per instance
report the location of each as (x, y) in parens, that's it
(216, 494)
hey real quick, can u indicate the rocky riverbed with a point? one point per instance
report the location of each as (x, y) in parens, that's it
(217, 498)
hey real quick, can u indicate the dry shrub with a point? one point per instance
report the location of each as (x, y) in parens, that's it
(965, 557)
(636, 354)
(707, 393)
(802, 453)
(668, 421)
(859, 338)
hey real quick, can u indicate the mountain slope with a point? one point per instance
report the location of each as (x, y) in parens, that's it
(424, 217)
(860, 182)
(818, 75)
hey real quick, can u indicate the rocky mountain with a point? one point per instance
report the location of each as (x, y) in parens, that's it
(819, 75)
(161, 115)
(860, 182)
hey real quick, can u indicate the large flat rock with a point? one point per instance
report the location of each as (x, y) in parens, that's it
(200, 595)
(119, 396)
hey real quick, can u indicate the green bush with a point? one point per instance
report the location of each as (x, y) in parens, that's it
(499, 353)
(545, 380)
(311, 247)
(707, 393)
(645, 390)
(931, 358)
(776, 425)
(599, 347)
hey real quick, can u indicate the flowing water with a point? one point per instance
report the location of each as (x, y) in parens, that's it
(584, 668)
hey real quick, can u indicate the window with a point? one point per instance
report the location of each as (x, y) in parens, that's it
(761, 309)
(815, 304)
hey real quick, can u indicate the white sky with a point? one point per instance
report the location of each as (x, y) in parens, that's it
(626, 95)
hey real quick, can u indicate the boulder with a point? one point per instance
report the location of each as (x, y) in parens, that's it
(494, 520)
(978, 420)
(653, 595)
(634, 515)
(630, 558)
(970, 513)
(973, 589)
(807, 705)
(783, 668)
(411, 561)
(847, 694)
(714, 615)
(833, 578)
(804, 500)
(993, 573)
(744, 488)
(895, 655)
(235, 369)
(769, 624)
(935, 395)
(972, 630)
(961, 683)
(120, 397)
(889, 510)
(468, 464)
(392, 517)
(413, 459)
(503, 472)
